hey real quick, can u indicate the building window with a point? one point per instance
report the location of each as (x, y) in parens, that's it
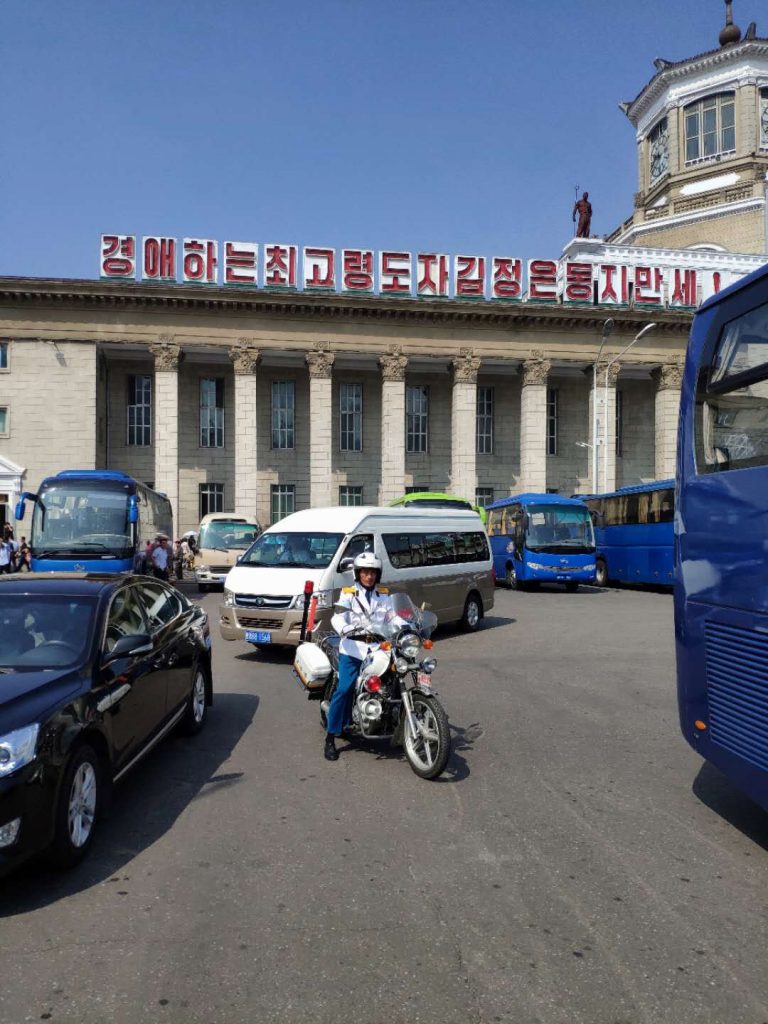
(282, 499)
(5, 421)
(484, 421)
(764, 118)
(619, 423)
(211, 498)
(283, 413)
(483, 496)
(140, 410)
(416, 489)
(553, 397)
(710, 127)
(351, 417)
(350, 495)
(658, 151)
(212, 412)
(417, 418)
(4, 353)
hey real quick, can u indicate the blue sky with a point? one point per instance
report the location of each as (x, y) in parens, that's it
(459, 126)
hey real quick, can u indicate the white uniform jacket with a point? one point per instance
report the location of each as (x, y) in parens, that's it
(353, 607)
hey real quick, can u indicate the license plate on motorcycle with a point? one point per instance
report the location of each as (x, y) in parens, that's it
(423, 679)
(257, 636)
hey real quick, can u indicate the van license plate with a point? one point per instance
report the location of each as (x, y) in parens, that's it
(424, 679)
(256, 636)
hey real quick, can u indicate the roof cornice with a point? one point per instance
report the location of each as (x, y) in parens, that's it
(636, 108)
(137, 296)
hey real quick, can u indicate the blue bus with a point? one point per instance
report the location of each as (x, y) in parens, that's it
(721, 534)
(539, 538)
(94, 521)
(634, 533)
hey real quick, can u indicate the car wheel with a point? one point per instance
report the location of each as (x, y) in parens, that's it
(77, 808)
(196, 710)
(473, 613)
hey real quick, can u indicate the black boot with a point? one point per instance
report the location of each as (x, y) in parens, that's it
(331, 753)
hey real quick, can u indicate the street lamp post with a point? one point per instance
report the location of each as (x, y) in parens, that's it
(609, 364)
(607, 328)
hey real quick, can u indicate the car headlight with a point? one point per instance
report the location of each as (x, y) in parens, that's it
(18, 748)
(410, 645)
(229, 597)
(536, 565)
(589, 568)
(202, 568)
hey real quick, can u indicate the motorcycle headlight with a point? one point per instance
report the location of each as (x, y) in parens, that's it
(429, 665)
(410, 645)
(229, 597)
(401, 665)
(18, 748)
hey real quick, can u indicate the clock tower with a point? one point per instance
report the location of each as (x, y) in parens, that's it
(702, 142)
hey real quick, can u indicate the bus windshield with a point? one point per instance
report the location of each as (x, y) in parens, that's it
(224, 536)
(82, 518)
(558, 529)
(293, 550)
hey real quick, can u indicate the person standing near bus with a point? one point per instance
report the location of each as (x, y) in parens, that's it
(160, 559)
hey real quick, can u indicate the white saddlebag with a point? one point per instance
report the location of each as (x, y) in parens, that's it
(312, 666)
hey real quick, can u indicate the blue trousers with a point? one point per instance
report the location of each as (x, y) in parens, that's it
(340, 711)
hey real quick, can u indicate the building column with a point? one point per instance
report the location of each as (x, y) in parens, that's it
(464, 425)
(320, 364)
(392, 366)
(533, 424)
(668, 378)
(167, 357)
(245, 357)
(606, 427)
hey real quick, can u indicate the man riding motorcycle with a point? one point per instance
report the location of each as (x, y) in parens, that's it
(356, 604)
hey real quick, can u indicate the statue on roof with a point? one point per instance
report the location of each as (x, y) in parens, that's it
(584, 209)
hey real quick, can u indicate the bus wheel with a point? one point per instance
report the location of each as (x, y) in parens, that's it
(510, 577)
(601, 574)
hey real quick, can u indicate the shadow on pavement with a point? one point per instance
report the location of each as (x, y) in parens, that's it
(144, 806)
(719, 794)
(457, 769)
(488, 622)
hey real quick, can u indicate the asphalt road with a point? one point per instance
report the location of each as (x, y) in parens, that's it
(576, 864)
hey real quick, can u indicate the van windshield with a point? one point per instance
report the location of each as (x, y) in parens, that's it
(225, 536)
(293, 550)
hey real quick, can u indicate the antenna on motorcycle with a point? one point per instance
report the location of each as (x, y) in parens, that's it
(309, 587)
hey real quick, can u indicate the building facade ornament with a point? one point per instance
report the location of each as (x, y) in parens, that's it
(167, 354)
(245, 356)
(393, 364)
(613, 373)
(668, 376)
(320, 363)
(465, 367)
(536, 368)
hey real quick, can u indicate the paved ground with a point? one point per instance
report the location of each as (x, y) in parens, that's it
(577, 864)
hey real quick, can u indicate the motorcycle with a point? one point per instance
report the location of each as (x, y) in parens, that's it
(393, 694)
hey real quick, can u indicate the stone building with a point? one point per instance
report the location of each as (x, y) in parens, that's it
(269, 399)
(702, 149)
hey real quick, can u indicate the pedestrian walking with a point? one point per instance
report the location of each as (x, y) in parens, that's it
(160, 558)
(178, 561)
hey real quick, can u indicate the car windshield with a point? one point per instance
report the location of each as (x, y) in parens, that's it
(293, 550)
(226, 536)
(43, 632)
(558, 527)
(81, 519)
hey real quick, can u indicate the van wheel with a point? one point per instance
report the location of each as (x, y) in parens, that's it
(601, 574)
(473, 613)
(510, 577)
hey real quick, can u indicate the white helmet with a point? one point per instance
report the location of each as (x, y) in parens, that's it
(367, 560)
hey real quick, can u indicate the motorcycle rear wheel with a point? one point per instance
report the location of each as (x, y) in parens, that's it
(428, 755)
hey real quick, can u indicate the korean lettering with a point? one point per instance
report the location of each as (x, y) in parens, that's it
(319, 269)
(158, 258)
(506, 278)
(432, 276)
(241, 263)
(118, 256)
(395, 273)
(469, 277)
(542, 281)
(280, 266)
(357, 270)
(199, 260)
(612, 285)
(683, 288)
(578, 282)
(649, 286)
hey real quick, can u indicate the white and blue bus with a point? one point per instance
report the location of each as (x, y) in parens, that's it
(541, 538)
(634, 533)
(94, 521)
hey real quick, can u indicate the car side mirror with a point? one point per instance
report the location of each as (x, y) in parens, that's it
(129, 647)
(346, 564)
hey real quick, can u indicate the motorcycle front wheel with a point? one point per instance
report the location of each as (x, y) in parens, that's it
(428, 754)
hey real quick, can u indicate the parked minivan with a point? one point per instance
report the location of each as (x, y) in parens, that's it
(221, 540)
(437, 556)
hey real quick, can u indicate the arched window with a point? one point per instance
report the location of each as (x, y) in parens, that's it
(710, 127)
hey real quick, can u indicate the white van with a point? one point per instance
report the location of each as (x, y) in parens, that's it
(437, 556)
(222, 538)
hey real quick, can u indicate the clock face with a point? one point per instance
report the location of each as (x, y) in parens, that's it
(764, 124)
(659, 156)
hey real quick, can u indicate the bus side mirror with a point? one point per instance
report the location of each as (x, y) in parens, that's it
(133, 509)
(20, 508)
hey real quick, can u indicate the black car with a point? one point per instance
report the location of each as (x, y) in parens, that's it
(94, 671)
